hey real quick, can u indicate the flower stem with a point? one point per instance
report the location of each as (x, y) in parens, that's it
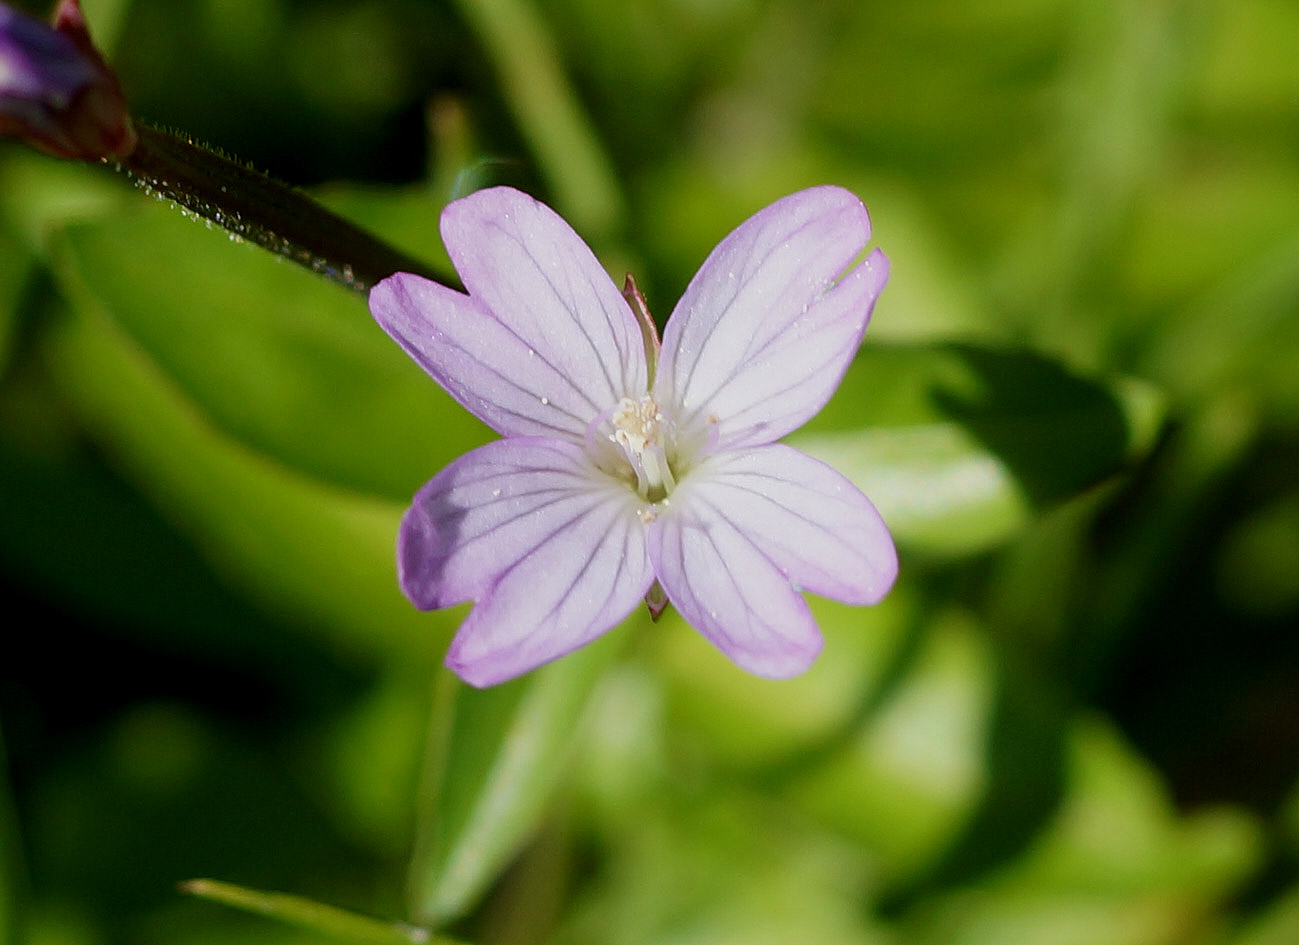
(264, 211)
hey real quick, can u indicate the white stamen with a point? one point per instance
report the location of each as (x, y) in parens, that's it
(638, 429)
(636, 423)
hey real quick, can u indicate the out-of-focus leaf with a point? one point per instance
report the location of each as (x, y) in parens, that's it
(13, 274)
(10, 845)
(126, 795)
(496, 758)
(1288, 820)
(957, 445)
(1258, 571)
(317, 554)
(623, 760)
(1276, 925)
(725, 865)
(929, 295)
(1239, 336)
(1115, 865)
(909, 777)
(82, 538)
(270, 354)
(334, 923)
(39, 196)
(1216, 223)
(372, 762)
(1250, 70)
(106, 19)
(1118, 829)
(560, 132)
(1024, 759)
(745, 720)
(970, 50)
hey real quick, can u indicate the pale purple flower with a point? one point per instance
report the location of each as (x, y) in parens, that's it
(630, 472)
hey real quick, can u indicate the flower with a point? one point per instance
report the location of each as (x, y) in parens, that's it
(56, 91)
(630, 471)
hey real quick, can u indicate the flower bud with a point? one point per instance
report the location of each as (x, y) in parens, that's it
(56, 91)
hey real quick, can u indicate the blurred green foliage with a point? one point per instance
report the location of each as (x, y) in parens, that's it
(1073, 721)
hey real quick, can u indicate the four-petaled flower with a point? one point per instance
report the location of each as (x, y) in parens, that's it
(630, 471)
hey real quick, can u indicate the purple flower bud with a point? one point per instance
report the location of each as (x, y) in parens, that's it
(56, 91)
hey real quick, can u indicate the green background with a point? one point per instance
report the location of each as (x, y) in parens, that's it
(1075, 721)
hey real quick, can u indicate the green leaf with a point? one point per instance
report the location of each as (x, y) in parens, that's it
(958, 445)
(750, 722)
(911, 773)
(497, 757)
(1116, 864)
(519, 43)
(13, 275)
(39, 196)
(274, 356)
(1278, 924)
(336, 923)
(10, 846)
(314, 553)
(1258, 565)
(1238, 334)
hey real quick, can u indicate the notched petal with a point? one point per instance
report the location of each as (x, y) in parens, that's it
(767, 327)
(728, 590)
(479, 360)
(747, 533)
(528, 267)
(810, 522)
(550, 549)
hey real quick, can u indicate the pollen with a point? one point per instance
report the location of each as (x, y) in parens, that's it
(637, 424)
(640, 430)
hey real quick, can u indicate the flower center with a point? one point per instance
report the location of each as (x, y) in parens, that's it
(639, 430)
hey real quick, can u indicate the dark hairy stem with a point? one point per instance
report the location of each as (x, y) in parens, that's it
(263, 211)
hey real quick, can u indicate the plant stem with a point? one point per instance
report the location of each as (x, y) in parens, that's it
(264, 211)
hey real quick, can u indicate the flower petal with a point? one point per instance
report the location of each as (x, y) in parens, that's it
(747, 532)
(476, 358)
(544, 342)
(767, 327)
(550, 548)
(725, 588)
(527, 267)
(818, 528)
